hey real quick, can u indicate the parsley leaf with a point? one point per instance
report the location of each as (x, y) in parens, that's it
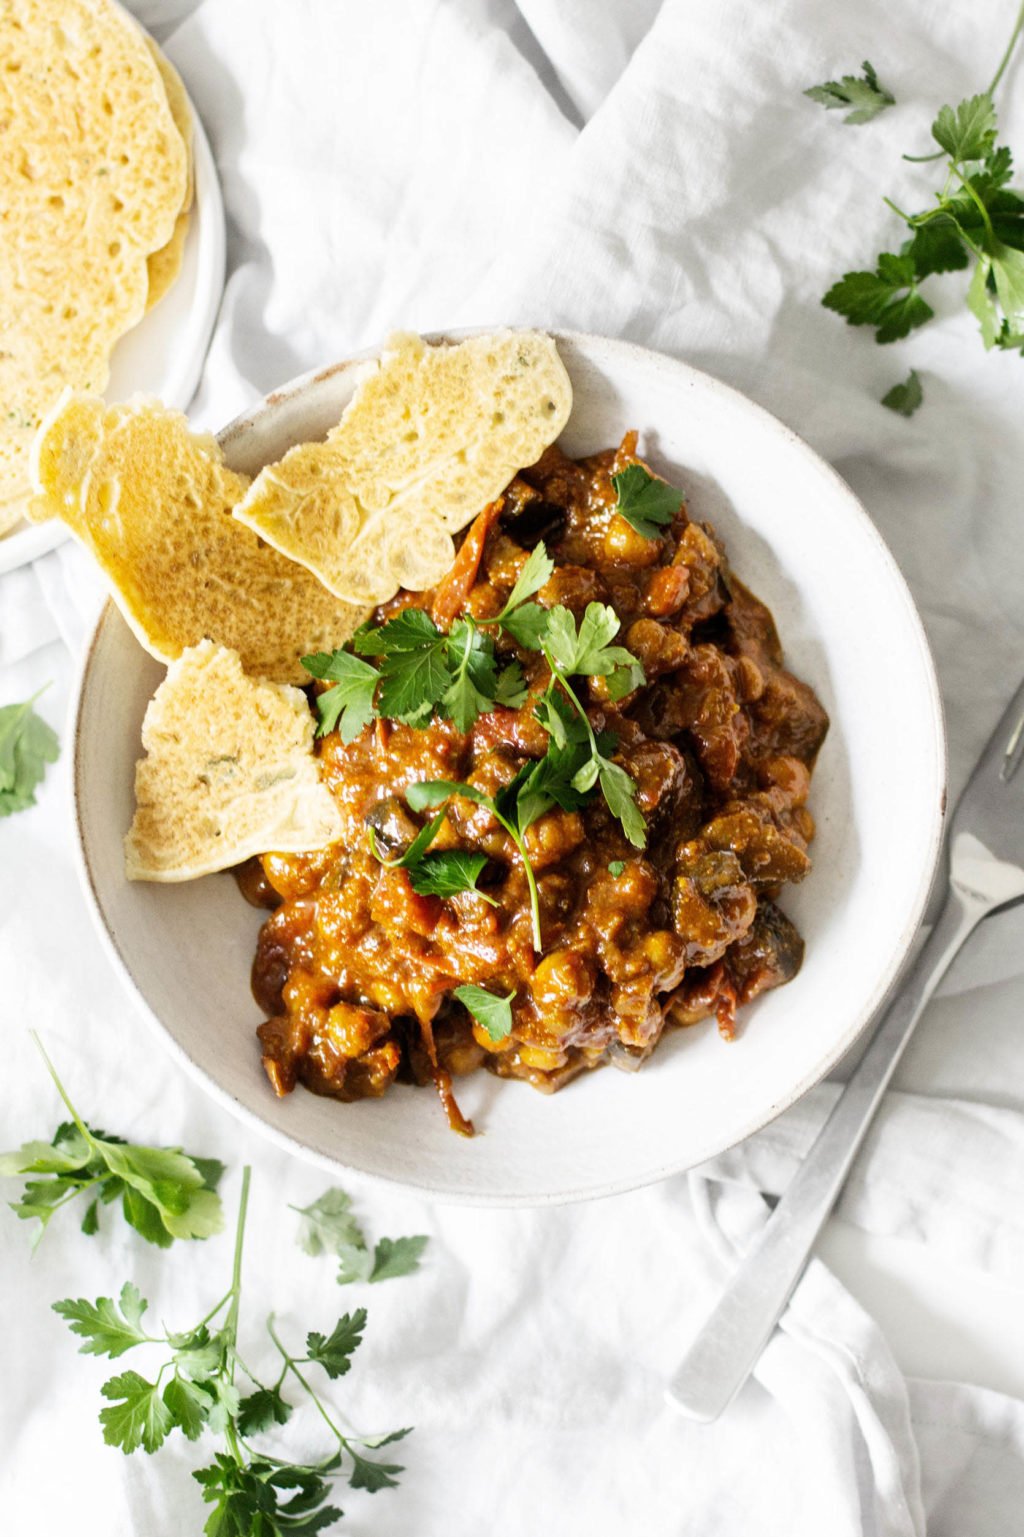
(474, 680)
(446, 873)
(527, 625)
(27, 744)
(619, 790)
(189, 1406)
(647, 503)
(349, 704)
(491, 1011)
(616, 867)
(886, 298)
(395, 1257)
(905, 397)
(981, 303)
(969, 131)
(373, 1475)
(510, 688)
(863, 94)
(262, 1410)
(587, 652)
(334, 1352)
(426, 793)
(327, 1223)
(537, 569)
(109, 1328)
(138, 1417)
(414, 682)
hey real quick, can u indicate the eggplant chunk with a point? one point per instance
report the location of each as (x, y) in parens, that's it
(769, 954)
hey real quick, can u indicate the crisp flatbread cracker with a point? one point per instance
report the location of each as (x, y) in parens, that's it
(431, 435)
(93, 176)
(164, 265)
(152, 502)
(230, 771)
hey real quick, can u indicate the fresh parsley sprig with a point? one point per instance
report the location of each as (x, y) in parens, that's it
(195, 1389)
(976, 222)
(27, 745)
(329, 1226)
(862, 97)
(164, 1193)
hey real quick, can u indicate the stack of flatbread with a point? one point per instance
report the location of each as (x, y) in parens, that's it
(232, 584)
(95, 187)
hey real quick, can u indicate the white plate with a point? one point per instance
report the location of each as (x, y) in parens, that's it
(164, 354)
(799, 537)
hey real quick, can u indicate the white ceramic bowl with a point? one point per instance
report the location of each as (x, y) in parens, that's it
(797, 535)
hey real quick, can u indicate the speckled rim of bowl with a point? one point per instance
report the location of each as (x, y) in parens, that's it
(232, 434)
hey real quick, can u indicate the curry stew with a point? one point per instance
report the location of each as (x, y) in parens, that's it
(355, 970)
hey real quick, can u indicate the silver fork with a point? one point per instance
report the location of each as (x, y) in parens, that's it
(986, 871)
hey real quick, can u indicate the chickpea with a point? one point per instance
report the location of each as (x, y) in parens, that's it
(667, 591)
(552, 837)
(541, 1057)
(563, 979)
(657, 647)
(352, 1030)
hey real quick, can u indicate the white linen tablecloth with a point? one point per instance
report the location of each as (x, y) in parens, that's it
(649, 169)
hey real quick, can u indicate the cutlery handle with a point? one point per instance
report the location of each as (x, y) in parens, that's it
(726, 1349)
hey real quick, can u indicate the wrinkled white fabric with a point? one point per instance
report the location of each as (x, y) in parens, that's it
(646, 168)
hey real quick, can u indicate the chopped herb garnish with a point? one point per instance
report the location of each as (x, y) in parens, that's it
(647, 503)
(491, 1011)
(616, 867)
(861, 96)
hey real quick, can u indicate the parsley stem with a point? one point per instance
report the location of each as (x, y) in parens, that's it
(290, 1365)
(1011, 45)
(990, 92)
(557, 676)
(214, 1310)
(249, 1372)
(231, 1322)
(78, 1190)
(969, 188)
(531, 880)
(86, 1133)
(906, 217)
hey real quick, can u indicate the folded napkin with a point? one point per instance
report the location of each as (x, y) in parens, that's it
(649, 170)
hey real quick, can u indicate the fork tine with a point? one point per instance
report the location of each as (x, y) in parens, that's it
(1004, 750)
